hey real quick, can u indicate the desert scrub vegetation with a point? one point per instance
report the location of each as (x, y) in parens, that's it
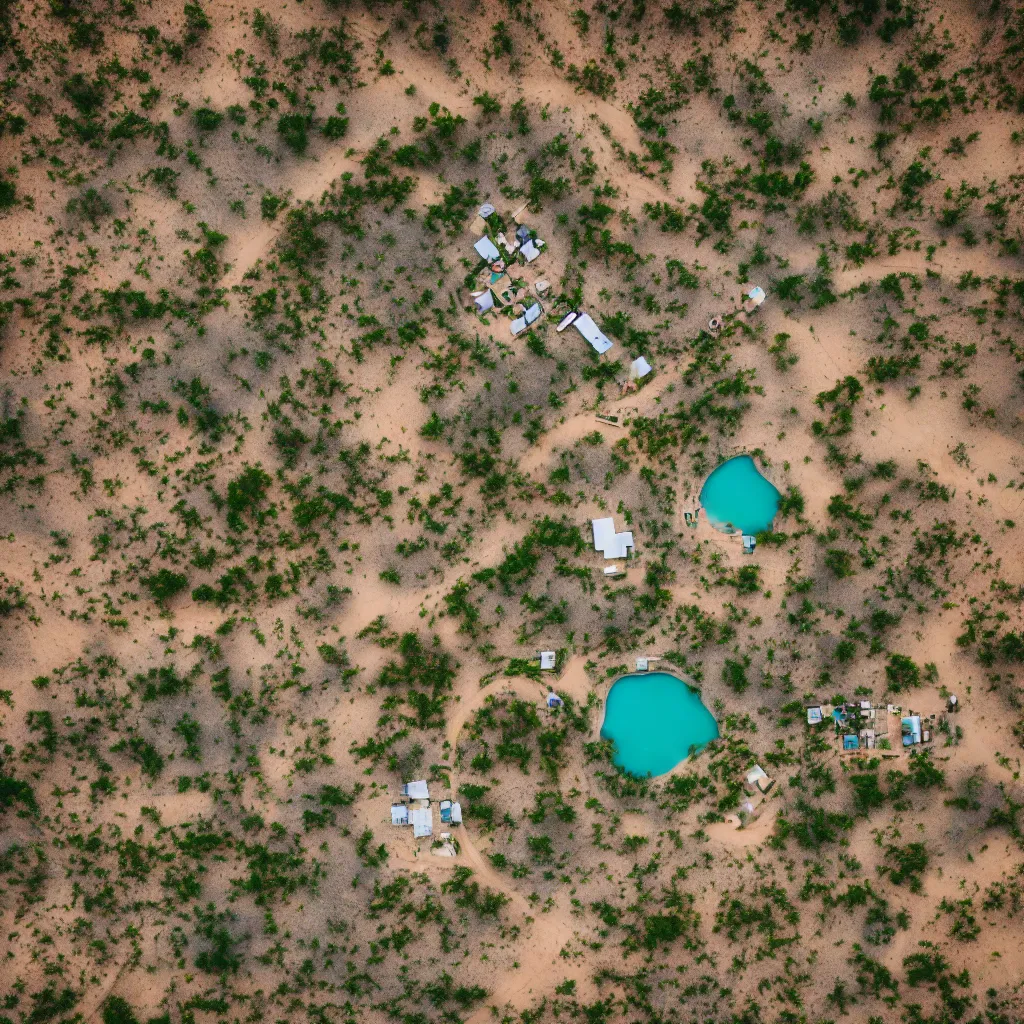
(285, 524)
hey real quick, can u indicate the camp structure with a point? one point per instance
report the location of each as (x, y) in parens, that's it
(553, 700)
(566, 321)
(530, 250)
(639, 368)
(749, 543)
(422, 819)
(547, 661)
(416, 790)
(532, 315)
(815, 716)
(584, 323)
(399, 814)
(754, 299)
(910, 727)
(608, 542)
(451, 813)
(484, 301)
(642, 664)
(757, 779)
(487, 250)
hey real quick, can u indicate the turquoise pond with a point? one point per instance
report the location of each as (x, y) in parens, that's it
(737, 497)
(654, 720)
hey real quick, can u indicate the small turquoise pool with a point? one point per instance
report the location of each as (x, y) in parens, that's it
(738, 499)
(655, 720)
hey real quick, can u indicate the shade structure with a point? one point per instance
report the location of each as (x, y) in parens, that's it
(487, 249)
(584, 323)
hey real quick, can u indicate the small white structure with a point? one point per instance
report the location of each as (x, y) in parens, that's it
(553, 700)
(612, 570)
(399, 814)
(584, 323)
(416, 790)
(487, 249)
(484, 301)
(422, 819)
(486, 210)
(566, 321)
(749, 543)
(608, 542)
(641, 664)
(530, 249)
(542, 287)
(754, 299)
(532, 315)
(814, 715)
(639, 368)
(547, 661)
(757, 778)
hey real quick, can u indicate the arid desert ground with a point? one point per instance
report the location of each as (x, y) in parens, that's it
(288, 514)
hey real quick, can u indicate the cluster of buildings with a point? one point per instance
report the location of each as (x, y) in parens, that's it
(496, 289)
(415, 809)
(861, 725)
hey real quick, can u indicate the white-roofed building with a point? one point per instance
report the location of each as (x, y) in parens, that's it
(399, 814)
(547, 660)
(608, 542)
(584, 323)
(529, 317)
(529, 250)
(422, 819)
(487, 249)
(416, 790)
(639, 368)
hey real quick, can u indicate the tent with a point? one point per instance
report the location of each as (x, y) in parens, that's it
(547, 660)
(485, 211)
(814, 716)
(639, 368)
(416, 790)
(399, 814)
(553, 700)
(585, 325)
(487, 249)
(484, 301)
(422, 819)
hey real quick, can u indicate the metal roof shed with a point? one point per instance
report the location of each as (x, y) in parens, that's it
(487, 249)
(584, 323)
(422, 819)
(416, 790)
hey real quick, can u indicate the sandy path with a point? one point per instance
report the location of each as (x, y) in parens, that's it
(541, 963)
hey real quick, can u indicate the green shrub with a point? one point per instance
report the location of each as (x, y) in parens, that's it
(294, 131)
(207, 120)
